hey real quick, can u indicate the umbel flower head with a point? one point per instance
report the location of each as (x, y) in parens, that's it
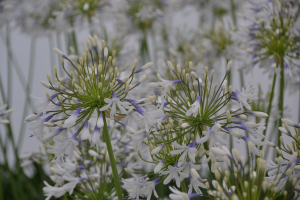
(273, 34)
(76, 113)
(195, 122)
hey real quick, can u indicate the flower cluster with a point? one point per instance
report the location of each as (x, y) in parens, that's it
(81, 114)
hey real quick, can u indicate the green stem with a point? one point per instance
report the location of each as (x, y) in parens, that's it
(9, 69)
(58, 42)
(28, 89)
(229, 105)
(74, 39)
(112, 159)
(270, 105)
(16, 66)
(51, 55)
(183, 186)
(280, 101)
(299, 107)
(233, 13)
(242, 79)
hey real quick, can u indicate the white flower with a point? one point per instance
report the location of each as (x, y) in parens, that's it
(244, 96)
(133, 186)
(174, 173)
(50, 191)
(73, 181)
(177, 195)
(42, 103)
(37, 126)
(253, 147)
(195, 184)
(190, 150)
(64, 147)
(112, 103)
(164, 83)
(214, 134)
(152, 118)
(148, 188)
(194, 110)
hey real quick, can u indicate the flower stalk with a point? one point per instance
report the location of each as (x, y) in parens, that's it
(112, 159)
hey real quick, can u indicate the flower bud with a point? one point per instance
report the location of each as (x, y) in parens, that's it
(228, 66)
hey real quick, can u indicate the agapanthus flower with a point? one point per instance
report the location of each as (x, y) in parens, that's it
(81, 114)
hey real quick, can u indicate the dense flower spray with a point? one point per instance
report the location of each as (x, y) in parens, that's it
(79, 108)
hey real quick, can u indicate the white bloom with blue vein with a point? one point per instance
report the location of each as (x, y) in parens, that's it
(174, 173)
(185, 150)
(112, 103)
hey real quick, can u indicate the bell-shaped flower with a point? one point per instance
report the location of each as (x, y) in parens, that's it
(85, 133)
(95, 137)
(174, 173)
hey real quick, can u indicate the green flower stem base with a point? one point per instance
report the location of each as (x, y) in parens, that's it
(183, 186)
(270, 106)
(112, 159)
(280, 101)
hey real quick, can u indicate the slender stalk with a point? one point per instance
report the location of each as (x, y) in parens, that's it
(51, 55)
(183, 186)
(270, 104)
(74, 40)
(280, 101)
(9, 69)
(229, 83)
(28, 88)
(58, 42)
(299, 107)
(10, 134)
(112, 159)
(17, 67)
(233, 14)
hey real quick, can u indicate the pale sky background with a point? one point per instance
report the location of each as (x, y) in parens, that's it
(20, 44)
